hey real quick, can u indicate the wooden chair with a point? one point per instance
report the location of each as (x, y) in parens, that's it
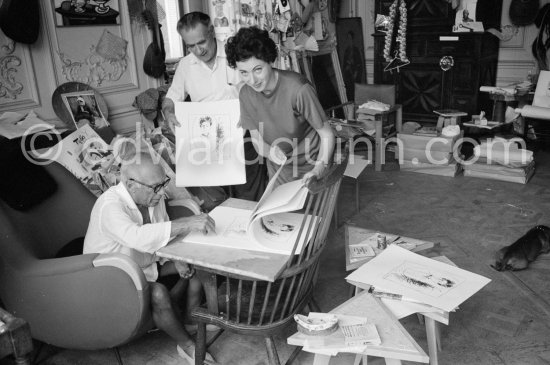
(387, 123)
(261, 308)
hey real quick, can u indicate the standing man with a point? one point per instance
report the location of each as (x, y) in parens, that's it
(204, 75)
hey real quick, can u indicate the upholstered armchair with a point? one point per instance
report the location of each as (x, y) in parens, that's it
(90, 301)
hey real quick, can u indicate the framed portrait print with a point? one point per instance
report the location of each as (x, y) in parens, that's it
(86, 12)
(84, 109)
(351, 53)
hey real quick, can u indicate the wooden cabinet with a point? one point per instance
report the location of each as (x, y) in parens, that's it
(422, 86)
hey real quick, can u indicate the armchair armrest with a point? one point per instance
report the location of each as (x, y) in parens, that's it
(87, 301)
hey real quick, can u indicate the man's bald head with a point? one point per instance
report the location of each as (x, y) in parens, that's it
(144, 179)
(142, 168)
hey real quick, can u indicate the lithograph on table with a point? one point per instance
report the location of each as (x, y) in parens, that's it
(418, 278)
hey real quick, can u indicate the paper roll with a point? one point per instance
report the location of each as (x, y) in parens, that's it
(498, 90)
(535, 112)
(508, 155)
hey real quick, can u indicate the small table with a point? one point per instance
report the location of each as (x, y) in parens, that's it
(397, 344)
(355, 235)
(251, 264)
(356, 166)
(432, 318)
(502, 101)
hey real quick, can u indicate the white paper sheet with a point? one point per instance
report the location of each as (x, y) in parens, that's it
(397, 270)
(355, 168)
(14, 125)
(231, 232)
(542, 92)
(79, 151)
(209, 145)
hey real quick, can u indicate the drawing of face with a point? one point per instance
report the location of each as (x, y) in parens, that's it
(277, 226)
(205, 125)
(257, 74)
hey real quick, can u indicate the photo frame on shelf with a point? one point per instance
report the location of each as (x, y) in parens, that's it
(86, 12)
(351, 53)
(84, 109)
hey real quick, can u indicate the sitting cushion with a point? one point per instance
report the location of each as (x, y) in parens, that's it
(24, 184)
(73, 248)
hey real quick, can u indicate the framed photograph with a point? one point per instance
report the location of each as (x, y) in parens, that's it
(86, 12)
(84, 109)
(351, 53)
(466, 13)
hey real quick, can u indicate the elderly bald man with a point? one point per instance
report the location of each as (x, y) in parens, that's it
(131, 218)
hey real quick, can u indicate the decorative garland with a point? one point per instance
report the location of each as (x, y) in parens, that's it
(401, 32)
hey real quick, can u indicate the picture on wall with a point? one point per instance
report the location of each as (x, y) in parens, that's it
(86, 12)
(84, 109)
(351, 53)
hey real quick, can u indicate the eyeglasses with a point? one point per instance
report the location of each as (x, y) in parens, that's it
(155, 188)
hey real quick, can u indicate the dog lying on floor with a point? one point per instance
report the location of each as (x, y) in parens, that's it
(526, 249)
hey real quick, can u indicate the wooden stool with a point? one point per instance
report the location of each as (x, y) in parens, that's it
(431, 320)
(448, 117)
(397, 344)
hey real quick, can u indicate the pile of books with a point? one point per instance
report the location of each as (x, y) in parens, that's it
(406, 278)
(502, 160)
(428, 153)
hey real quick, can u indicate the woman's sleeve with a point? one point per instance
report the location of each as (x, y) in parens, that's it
(309, 106)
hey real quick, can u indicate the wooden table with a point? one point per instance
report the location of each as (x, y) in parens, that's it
(355, 235)
(432, 318)
(250, 264)
(397, 344)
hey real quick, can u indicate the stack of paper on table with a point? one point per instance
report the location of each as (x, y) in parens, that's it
(418, 279)
(395, 340)
(403, 309)
(367, 112)
(269, 227)
(353, 333)
(363, 245)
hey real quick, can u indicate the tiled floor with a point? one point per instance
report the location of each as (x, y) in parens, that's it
(507, 322)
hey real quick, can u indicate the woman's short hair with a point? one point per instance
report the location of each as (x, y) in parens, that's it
(250, 42)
